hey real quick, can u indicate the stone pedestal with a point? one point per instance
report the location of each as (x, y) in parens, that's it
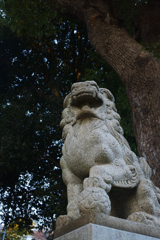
(104, 227)
(97, 232)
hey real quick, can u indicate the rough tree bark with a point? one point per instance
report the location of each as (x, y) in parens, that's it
(137, 68)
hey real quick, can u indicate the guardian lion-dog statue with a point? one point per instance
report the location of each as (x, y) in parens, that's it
(101, 172)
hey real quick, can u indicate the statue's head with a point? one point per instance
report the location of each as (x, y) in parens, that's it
(87, 100)
(87, 93)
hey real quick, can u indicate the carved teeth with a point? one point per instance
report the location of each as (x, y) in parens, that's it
(94, 94)
(86, 107)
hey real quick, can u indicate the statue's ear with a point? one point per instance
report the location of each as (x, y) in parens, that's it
(107, 94)
(67, 100)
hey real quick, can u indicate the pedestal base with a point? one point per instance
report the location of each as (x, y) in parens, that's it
(97, 232)
(92, 227)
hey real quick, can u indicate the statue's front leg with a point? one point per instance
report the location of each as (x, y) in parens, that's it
(73, 191)
(74, 188)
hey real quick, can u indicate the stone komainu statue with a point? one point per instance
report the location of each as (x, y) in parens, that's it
(101, 172)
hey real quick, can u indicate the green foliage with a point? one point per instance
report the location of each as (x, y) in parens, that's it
(30, 18)
(31, 143)
(18, 230)
(127, 12)
(152, 47)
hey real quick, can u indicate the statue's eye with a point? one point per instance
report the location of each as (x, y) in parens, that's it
(75, 85)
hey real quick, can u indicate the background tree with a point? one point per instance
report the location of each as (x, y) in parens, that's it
(37, 69)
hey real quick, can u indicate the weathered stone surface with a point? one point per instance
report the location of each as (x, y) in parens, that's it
(111, 222)
(96, 232)
(101, 172)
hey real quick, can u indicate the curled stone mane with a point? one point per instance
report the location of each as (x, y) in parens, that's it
(100, 171)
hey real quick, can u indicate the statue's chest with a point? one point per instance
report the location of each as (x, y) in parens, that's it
(88, 133)
(83, 144)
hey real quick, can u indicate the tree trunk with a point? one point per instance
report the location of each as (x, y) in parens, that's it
(137, 68)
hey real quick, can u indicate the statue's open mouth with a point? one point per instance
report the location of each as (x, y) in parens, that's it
(84, 94)
(89, 98)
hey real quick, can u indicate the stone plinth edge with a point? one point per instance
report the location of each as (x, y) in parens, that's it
(97, 232)
(111, 222)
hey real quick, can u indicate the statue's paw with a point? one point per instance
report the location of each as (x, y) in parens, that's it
(143, 218)
(129, 179)
(63, 220)
(94, 200)
(98, 182)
